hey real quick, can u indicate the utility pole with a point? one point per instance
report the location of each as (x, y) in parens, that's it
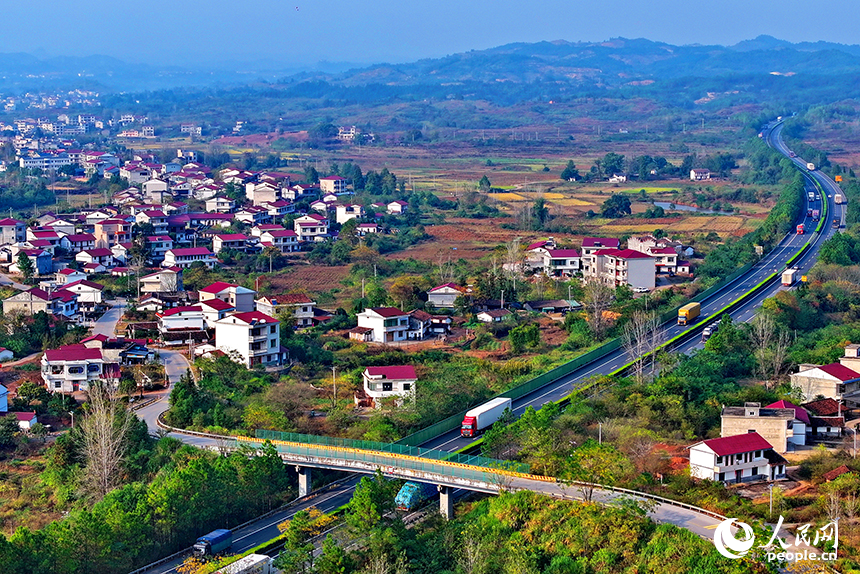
(334, 387)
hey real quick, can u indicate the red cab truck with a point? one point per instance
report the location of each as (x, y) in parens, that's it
(484, 416)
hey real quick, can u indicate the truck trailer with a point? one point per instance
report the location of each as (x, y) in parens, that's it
(213, 543)
(483, 416)
(789, 276)
(250, 564)
(815, 215)
(412, 494)
(837, 199)
(688, 313)
(810, 166)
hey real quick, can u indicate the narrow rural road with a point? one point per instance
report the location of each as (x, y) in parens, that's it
(106, 324)
(5, 280)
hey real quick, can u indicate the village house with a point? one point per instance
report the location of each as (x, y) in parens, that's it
(299, 305)
(40, 258)
(700, 174)
(617, 267)
(389, 324)
(78, 242)
(12, 231)
(239, 297)
(75, 367)
(158, 245)
(333, 184)
(779, 426)
(397, 207)
(493, 315)
(214, 310)
(176, 325)
(394, 382)
(58, 302)
(284, 240)
(733, 459)
(363, 229)
(185, 258)
(310, 228)
(220, 204)
(443, 296)
(344, 213)
(255, 336)
(156, 218)
(834, 381)
(235, 241)
(99, 255)
(89, 294)
(163, 281)
(110, 232)
(826, 419)
(69, 275)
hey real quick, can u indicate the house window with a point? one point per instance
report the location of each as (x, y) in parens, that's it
(76, 370)
(272, 329)
(722, 476)
(407, 386)
(93, 368)
(719, 460)
(272, 343)
(387, 386)
(754, 470)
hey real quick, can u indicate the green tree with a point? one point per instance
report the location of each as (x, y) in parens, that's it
(616, 206)
(372, 499)
(613, 163)
(9, 429)
(484, 184)
(594, 463)
(25, 266)
(570, 173)
(333, 559)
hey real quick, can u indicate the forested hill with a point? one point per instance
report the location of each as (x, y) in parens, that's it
(615, 62)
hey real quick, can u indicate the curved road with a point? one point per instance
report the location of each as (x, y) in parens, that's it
(265, 529)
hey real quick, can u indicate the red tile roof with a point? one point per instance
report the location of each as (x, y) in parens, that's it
(399, 372)
(450, 285)
(600, 242)
(190, 251)
(98, 252)
(388, 311)
(840, 371)
(217, 304)
(85, 282)
(255, 316)
(73, 353)
(823, 407)
(737, 444)
(799, 413)
(217, 287)
(289, 299)
(625, 254)
(563, 252)
(232, 237)
(177, 310)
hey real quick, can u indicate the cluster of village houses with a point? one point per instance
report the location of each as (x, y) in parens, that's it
(228, 318)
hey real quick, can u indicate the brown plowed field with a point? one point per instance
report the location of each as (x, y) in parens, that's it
(311, 278)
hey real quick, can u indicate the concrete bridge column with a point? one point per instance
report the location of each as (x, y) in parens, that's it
(446, 501)
(304, 480)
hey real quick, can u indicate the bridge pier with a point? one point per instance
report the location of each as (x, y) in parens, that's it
(446, 501)
(304, 480)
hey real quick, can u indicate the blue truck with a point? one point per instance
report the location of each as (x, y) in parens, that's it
(213, 543)
(412, 494)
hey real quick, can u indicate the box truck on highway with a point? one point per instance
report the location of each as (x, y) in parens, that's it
(213, 543)
(483, 416)
(412, 494)
(837, 199)
(250, 564)
(800, 229)
(688, 313)
(789, 276)
(810, 196)
(810, 166)
(815, 215)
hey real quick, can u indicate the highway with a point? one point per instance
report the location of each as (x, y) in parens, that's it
(774, 261)
(265, 529)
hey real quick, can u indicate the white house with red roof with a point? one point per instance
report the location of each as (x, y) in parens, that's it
(239, 297)
(278, 208)
(158, 245)
(215, 309)
(12, 231)
(298, 304)
(236, 241)
(560, 262)
(617, 267)
(741, 458)
(333, 184)
(834, 381)
(186, 257)
(395, 382)
(443, 296)
(164, 281)
(180, 319)
(69, 275)
(363, 229)
(58, 302)
(592, 244)
(100, 255)
(255, 336)
(78, 242)
(89, 293)
(397, 207)
(285, 240)
(389, 324)
(311, 227)
(258, 230)
(220, 204)
(112, 231)
(344, 213)
(75, 367)
(155, 217)
(253, 215)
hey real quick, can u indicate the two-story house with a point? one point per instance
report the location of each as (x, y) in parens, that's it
(776, 425)
(110, 232)
(284, 240)
(180, 320)
(590, 246)
(89, 294)
(215, 310)
(239, 297)
(389, 324)
(185, 258)
(158, 246)
(333, 184)
(395, 382)
(255, 336)
(220, 204)
(99, 255)
(310, 228)
(834, 381)
(443, 296)
(58, 302)
(163, 281)
(299, 305)
(344, 213)
(77, 242)
(235, 241)
(741, 458)
(156, 218)
(12, 231)
(560, 262)
(75, 367)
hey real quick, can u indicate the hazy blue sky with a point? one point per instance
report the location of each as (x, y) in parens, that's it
(307, 31)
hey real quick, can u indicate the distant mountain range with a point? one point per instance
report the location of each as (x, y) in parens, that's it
(614, 62)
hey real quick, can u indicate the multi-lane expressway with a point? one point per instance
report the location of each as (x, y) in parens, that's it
(775, 261)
